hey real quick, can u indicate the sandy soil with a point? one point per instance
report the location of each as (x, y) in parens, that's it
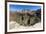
(14, 27)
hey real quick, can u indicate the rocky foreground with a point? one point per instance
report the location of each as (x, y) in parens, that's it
(15, 27)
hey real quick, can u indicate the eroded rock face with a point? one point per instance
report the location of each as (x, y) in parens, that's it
(26, 19)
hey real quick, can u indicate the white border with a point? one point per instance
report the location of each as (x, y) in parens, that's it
(8, 3)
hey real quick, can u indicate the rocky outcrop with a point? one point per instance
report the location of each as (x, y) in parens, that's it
(26, 18)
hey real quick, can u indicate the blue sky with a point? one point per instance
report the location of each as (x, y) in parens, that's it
(20, 7)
